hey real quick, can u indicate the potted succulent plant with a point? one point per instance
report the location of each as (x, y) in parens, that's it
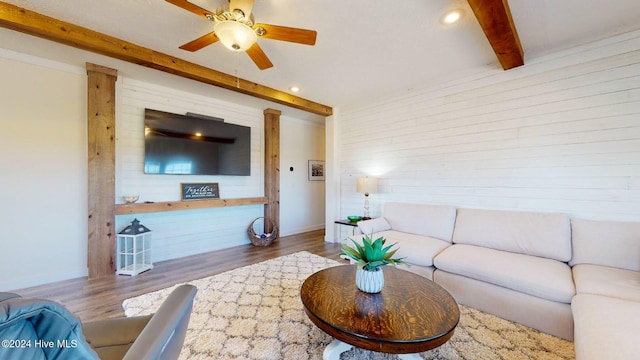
(371, 256)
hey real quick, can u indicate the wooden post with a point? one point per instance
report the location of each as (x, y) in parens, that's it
(101, 125)
(272, 168)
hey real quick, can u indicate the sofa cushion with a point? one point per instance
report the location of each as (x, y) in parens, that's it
(607, 281)
(605, 328)
(540, 234)
(373, 225)
(544, 278)
(429, 220)
(608, 243)
(415, 249)
(547, 316)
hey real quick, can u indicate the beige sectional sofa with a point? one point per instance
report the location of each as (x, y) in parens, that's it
(542, 270)
(606, 271)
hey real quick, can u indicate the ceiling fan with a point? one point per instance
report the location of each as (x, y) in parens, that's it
(236, 30)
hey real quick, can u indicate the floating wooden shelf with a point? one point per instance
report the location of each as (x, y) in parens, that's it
(123, 209)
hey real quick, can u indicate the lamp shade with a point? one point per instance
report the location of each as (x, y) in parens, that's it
(367, 185)
(235, 35)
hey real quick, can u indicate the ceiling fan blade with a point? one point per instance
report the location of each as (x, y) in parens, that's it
(259, 57)
(283, 33)
(244, 5)
(199, 43)
(192, 8)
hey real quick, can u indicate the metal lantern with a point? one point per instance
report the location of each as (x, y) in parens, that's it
(133, 250)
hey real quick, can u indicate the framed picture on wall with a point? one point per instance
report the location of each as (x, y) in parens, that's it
(316, 170)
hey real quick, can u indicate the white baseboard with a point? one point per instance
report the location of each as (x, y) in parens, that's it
(300, 230)
(40, 279)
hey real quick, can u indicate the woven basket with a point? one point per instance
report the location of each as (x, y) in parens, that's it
(262, 239)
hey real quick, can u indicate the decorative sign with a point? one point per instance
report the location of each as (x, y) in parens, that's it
(199, 191)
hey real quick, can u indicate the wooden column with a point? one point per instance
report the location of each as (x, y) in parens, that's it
(272, 167)
(101, 126)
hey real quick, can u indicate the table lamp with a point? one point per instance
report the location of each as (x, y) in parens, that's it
(366, 185)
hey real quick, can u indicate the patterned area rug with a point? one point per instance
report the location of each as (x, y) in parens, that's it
(255, 312)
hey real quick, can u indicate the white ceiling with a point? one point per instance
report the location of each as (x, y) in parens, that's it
(366, 50)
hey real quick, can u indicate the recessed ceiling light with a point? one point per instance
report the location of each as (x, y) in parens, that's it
(452, 16)
(294, 89)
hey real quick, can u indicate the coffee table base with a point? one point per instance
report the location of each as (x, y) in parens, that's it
(337, 347)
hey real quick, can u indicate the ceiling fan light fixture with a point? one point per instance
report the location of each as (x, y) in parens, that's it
(235, 35)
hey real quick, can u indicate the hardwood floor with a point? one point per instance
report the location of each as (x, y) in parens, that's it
(102, 298)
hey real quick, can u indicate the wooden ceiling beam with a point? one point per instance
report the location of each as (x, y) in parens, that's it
(495, 19)
(28, 22)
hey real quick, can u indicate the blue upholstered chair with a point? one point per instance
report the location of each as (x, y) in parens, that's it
(41, 329)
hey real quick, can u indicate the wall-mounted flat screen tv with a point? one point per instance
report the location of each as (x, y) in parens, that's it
(195, 145)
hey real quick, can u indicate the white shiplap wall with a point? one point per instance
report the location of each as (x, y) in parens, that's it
(561, 134)
(182, 233)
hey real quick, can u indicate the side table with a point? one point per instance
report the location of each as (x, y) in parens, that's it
(346, 222)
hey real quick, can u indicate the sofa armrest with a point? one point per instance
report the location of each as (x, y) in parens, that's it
(371, 226)
(112, 338)
(7, 295)
(163, 336)
(156, 336)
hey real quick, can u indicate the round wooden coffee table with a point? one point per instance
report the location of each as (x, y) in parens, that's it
(412, 314)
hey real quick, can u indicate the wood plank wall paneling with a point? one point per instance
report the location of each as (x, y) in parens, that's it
(272, 168)
(101, 119)
(183, 233)
(561, 134)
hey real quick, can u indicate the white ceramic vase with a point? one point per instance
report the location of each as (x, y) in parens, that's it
(370, 281)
